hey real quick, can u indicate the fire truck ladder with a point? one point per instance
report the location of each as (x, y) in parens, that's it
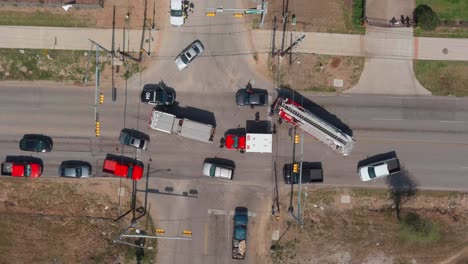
(326, 133)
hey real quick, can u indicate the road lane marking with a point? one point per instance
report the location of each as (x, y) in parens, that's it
(387, 119)
(250, 214)
(206, 239)
(452, 121)
(216, 212)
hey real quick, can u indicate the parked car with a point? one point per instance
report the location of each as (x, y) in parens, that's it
(22, 166)
(251, 96)
(310, 173)
(134, 138)
(379, 169)
(233, 141)
(189, 54)
(36, 143)
(75, 169)
(123, 166)
(177, 13)
(217, 170)
(157, 94)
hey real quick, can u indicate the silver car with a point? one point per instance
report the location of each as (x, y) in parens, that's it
(134, 138)
(75, 169)
(189, 54)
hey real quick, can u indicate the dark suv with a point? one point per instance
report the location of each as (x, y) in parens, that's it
(311, 172)
(134, 138)
(157, 94)
(36, 143)
(251, 97)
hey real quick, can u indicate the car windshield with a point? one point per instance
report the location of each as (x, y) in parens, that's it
(212, 170)
(162, 96)
(194, 47)
(34, 145)
(176, 13)
(78, 172)
(130, 172)
(127, 139)
(27, 170)
(246, 98)
(236, 142)
(184, 59)
(371, 172)
(142, 144)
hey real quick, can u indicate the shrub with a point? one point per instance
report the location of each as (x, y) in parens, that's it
(425, 17)
(358, 12)
(414, 228)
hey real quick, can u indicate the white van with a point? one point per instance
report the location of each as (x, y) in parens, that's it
(177, 13)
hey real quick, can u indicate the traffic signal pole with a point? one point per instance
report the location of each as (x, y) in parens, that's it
(291, 209)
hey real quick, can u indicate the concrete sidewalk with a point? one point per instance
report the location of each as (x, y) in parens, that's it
(380, 44)
(395, 44)
(66, 38)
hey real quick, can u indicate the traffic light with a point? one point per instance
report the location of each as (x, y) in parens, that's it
(187, 232)
(297, 139)
(295, 168)
(98, 129)
(159, 231)
(211, 14)
(238, 15)
(101, 98)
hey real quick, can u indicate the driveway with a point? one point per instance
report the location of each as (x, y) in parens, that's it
(384, 9)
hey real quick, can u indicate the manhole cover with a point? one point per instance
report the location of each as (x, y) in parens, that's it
(445, 51)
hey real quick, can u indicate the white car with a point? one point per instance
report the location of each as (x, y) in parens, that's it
(218, 171)
(379, 169)
(177, 13)
(189, 54)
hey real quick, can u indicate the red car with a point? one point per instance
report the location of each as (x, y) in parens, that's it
(234, 141)
(123, 167)
(22, 169)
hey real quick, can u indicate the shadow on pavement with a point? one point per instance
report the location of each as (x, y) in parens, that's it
(223, 162)
(192, 113)
(402, 188)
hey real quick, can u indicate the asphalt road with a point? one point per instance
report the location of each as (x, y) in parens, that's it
(428, 135)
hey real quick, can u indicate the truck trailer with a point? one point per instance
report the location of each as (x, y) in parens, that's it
(169, 123)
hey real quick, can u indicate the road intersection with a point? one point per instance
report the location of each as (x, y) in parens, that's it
(429, 134)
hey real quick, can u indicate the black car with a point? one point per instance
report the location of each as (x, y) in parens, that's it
(75, 169)
(36, 143)
(134, 138)
(311, 172)
(157, 94)
(251, 97)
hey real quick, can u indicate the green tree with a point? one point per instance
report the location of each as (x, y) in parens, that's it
(425, 17)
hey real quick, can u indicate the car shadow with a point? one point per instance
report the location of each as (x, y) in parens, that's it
(26, 159)
(221, 161)
(76, 162)
(376, 158)
(314, 108)
(258, 127)
(235, 131)
(124, 159)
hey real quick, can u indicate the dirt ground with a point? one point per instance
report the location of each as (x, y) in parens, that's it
(101, 17)
(312, 15)
(366, 230)
(66, 221)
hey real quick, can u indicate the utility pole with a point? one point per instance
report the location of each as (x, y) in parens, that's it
(114, 90)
